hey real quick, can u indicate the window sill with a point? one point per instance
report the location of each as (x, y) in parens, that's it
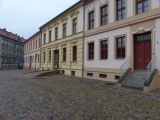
(103, 59)
(120, 58)
(74, 61)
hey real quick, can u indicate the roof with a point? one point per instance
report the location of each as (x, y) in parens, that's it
(62, 13)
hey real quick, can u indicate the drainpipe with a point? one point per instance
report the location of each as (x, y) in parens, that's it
(40, 43)
(83, 39)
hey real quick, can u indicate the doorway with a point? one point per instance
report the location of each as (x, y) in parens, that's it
(56, 59)
(142, 51)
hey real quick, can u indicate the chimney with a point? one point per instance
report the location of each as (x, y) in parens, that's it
(4, 29)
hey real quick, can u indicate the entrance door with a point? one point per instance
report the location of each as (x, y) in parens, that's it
(56, 59)
(142, 51)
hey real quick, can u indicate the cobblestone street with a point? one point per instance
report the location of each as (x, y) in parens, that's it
(24, 97)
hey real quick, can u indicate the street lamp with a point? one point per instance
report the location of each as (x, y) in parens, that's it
(35, 60)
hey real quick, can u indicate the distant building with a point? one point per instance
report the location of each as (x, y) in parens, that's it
(11, 49)
(32, 52)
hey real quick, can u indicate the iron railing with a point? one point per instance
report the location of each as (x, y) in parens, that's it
(151, 67)
(126, 65)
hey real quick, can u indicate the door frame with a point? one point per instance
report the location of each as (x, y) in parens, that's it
(56, 68)
(133, 42)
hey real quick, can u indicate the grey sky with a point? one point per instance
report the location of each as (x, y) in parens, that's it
(24, 17)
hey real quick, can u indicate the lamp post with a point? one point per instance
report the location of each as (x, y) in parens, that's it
(35, 60)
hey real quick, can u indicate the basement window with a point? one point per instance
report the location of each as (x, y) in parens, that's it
(73, 73)
(63, 72)
(117, 77)
(103, 75)
(90, 74)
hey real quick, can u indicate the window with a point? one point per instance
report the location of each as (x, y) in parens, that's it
(121, 9)
(64, 30)
(44, 56)
(36, 43)
(73, 73)
(35, 58)
(91, 51)
(49, 56)
(104, 15)
(103, 75)
(142, 6)
(63, 72)
(44, 38)
(38, 58)
(117, 77)
(91, 20)
(90, 74)
(120, 47)
(104, 49)
(39, 42)
(56, 33)
(50, 36)
(75, 26)
(64, 54)
(74, 53)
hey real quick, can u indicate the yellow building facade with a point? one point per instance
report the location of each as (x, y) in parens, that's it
(62, 42)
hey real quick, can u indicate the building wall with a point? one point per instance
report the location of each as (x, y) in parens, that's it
(11, 49)
(32, 52)
(64, 42)
(131, 25)
(110, 66)
(157, 42)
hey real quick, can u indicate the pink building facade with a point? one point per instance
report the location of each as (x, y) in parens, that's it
(32, 52)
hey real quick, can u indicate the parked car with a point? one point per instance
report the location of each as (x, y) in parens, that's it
(20, 64)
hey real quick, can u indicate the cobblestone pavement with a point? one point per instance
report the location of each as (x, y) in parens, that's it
(23, 97)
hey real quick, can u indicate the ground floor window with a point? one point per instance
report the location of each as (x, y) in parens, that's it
(91, 51)
(120, 47)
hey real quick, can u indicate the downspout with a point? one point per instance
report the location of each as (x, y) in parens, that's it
(83, 39)
(40, 49)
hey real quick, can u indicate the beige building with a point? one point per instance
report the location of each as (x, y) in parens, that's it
(62, 39)
(122, 34)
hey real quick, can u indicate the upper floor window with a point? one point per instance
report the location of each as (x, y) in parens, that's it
(120, 47)
(91, 20)
(36, 43)
(142, 6)
(56, 33)
(64, 54)
(121, 9)
(64, 30)
(104, 15)
(74, 53)
(44, 38)
(74, 25)
(91, 51)
(50, 36)
(104, 49)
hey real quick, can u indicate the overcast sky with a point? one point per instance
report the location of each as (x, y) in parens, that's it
(24, 17)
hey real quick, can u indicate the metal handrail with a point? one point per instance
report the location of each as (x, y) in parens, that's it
(126, 64)
(150, 67)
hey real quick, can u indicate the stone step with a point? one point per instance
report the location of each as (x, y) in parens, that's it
(135, 80)
(133, 87)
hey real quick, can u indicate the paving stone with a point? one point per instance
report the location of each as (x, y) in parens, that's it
(62, 97)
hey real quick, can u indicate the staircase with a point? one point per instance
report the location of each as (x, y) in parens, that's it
(135, 80)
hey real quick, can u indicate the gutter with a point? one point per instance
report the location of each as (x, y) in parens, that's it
(83, 39)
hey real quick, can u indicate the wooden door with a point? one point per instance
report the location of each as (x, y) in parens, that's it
(56, 59)
(142, 51)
